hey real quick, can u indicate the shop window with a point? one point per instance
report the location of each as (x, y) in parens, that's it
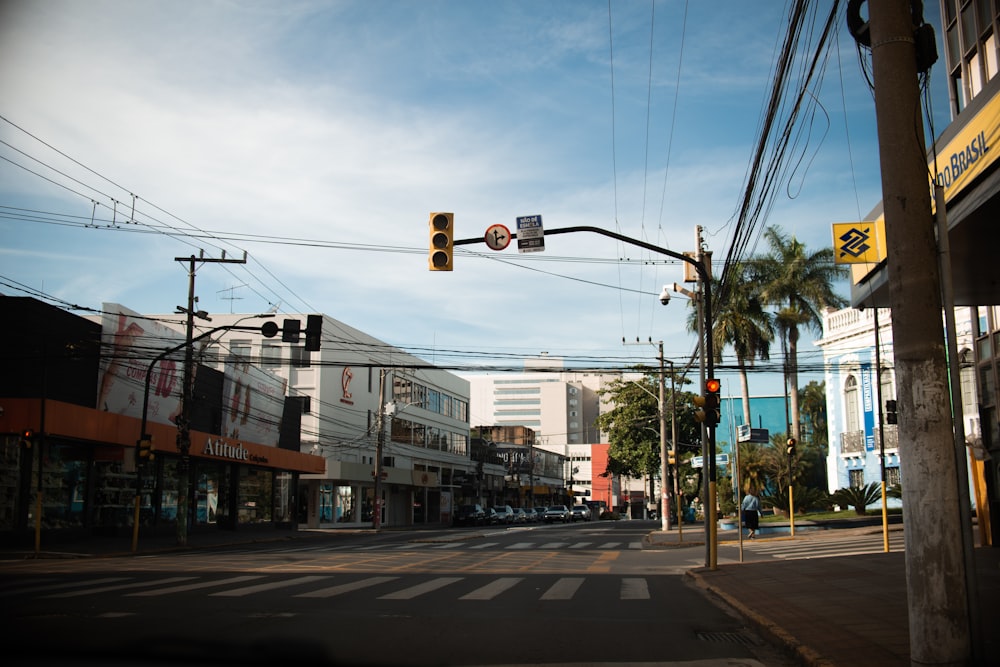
(283, 496)
(255, 495)
(10, 465)
(211, 493)
(168, 493)
(64, 479)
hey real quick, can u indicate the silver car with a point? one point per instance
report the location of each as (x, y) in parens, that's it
(557, 513)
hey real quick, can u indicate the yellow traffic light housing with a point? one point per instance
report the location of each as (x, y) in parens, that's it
(442, 239)
(790, 446)
(699, 412)
(146, 449)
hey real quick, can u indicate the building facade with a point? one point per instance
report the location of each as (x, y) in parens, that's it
(366, 408)
(79, 395)
(861, 387)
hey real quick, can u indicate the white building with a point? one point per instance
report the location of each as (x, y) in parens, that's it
(560, 405)
(345, 389)
(859, 383)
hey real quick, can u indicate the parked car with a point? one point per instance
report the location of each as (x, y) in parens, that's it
(530, 515)
(540, 512)
(470, 515)
(581, 513)
(492, 518)
(520, 516)
(505, 513)
(557, 513)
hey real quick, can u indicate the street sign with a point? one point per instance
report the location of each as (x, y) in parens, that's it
(497, 237)
(530, 234)
(720, 460)
(746, 434)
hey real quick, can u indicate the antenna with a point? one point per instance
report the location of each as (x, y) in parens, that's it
(232, 297)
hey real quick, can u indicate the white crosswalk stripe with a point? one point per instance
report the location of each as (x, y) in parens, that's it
(346, 588)
(564, 589)
(826, 548)
(250, 590)
(420, 589)
(183, 588)
(580, 545)
(492, 589)
(634, 589)
(485, 545)
(116, 587)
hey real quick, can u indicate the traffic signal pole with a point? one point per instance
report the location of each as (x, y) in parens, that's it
(701, 269)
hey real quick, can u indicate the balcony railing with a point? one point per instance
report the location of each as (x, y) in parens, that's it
(853, 442)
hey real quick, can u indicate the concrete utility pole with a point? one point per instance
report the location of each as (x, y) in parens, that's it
(937, 600)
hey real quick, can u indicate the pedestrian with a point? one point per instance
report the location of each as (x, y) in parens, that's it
(751, 512)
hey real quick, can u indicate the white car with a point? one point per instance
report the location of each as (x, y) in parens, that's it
(557, 513)
(581, 513)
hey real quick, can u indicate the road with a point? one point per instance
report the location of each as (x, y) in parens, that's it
(557, 594)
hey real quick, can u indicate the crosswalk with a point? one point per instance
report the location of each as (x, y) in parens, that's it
(827, 547)
(322, 586)
(454, 545)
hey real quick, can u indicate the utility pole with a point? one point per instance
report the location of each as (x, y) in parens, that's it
(664, 458)
(937, 599)
(187, 395)
(379, 448)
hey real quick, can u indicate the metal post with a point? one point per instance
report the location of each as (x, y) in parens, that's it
(664, 461)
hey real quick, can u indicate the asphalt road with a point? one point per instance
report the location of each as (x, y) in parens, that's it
(557, 594)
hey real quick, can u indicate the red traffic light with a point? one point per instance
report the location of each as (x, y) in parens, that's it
(712, 386)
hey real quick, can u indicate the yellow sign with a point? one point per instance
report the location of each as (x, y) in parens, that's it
(858, 242)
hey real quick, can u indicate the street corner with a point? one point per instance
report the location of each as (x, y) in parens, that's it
(660, 539)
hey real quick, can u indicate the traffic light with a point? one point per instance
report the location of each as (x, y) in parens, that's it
(699, 408)
(713, 402)
(146, 449)
(891, 417)
(790, 446)
(27, 438)
(672, 457)
(314, 332)
(442, 239)
(290, 331)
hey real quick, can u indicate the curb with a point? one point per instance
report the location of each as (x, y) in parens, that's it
(770, 629)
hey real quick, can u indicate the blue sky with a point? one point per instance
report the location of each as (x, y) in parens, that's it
(317, 137)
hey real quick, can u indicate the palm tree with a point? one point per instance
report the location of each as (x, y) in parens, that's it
(800, 285)
(739, 321)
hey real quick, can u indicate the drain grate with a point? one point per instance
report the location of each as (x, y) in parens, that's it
(738, 637)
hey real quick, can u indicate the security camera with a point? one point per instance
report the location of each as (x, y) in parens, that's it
(665, 295)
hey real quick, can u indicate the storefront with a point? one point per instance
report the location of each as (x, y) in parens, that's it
(84, 461)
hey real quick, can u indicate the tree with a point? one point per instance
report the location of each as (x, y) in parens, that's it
(800, 285)
(633, 424)
(739, 321)
(858, 497)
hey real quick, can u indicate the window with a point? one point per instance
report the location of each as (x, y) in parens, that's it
(299, 357)
(270, 354)
(239, 351)
(892, 476)
(853, 423)
(856, 478)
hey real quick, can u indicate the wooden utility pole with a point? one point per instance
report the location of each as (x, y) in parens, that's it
(937, 599)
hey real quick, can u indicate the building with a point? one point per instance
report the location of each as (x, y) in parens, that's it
(560, 406)
(964, 163)
(861, 386)
(366, 408)
(78, 395)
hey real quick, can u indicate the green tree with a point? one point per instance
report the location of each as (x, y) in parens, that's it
(800, 285)
(740, 322)
(633, 423)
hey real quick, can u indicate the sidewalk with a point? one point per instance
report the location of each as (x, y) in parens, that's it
(840, 611)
